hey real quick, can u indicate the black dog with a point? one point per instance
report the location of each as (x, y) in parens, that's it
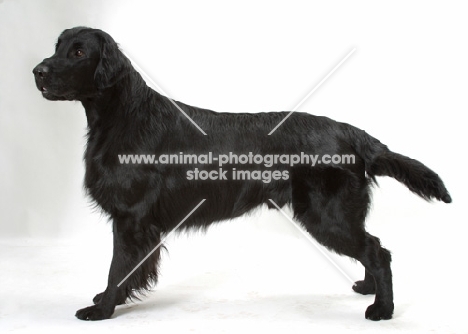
(146, 201)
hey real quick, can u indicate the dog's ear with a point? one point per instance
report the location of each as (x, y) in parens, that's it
(113, 65)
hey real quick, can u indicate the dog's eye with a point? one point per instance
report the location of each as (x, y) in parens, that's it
(79, 53)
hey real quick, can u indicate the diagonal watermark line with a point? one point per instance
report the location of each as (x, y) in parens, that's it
(162, 241)
(313, 90)
(139, 69)
(319, 248)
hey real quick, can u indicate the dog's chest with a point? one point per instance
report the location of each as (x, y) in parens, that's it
(117, 187)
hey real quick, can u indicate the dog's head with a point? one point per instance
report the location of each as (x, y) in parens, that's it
(86, 61)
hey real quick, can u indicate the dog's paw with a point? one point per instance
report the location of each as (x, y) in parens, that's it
(98, 298)
(378, 312)
(364, 287)
(92, 313)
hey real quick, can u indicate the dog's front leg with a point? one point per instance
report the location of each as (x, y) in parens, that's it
(132, 242)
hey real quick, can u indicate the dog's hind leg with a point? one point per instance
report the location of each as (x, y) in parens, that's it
(366, 286)
(376, 260)
(133, 241)
(332, 204)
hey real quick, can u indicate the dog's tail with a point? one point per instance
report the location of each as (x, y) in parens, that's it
(380, 161)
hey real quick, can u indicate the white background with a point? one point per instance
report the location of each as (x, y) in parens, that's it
(406, 84)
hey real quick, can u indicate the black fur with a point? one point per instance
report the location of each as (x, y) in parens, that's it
(147, 201)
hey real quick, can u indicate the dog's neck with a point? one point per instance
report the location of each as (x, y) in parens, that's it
(123, 101)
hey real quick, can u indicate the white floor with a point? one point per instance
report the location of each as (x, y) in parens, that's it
(238, 278)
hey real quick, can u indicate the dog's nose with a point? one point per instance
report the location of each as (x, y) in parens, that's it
(41, 70)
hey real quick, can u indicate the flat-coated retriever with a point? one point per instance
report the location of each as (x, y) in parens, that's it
(330, 198)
